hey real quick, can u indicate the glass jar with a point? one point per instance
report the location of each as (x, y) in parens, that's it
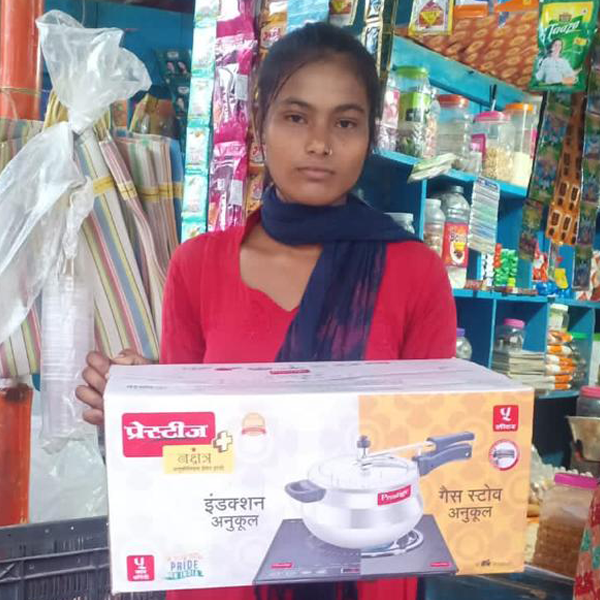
(405, 220)
(463, 346)
(510, 336)
(15, 438)
(523, 119)
(493, 134)
(559, 317)
(563, 516)
(454, 129)
(418, 114)
(588, 403)
(435, 220)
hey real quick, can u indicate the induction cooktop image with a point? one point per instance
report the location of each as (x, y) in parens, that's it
(296, 555)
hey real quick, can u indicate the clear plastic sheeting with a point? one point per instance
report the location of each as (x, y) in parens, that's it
(34, 193)
(88, 68)
(44, 199)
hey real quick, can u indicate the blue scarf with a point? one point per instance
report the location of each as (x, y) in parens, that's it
(334, 318)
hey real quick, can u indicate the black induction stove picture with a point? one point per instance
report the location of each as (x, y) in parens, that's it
(296, 556)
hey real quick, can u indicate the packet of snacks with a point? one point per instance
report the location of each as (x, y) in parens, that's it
(228, 171)
(232, 96)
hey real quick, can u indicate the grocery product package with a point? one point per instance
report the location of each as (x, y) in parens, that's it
(565, 33)
(233, 475)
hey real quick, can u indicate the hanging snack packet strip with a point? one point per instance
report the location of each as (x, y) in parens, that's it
(431, 17)
(565, 32)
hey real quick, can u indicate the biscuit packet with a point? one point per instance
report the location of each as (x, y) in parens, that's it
(565, 33)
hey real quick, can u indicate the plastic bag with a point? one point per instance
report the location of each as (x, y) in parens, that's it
(89, 71)
(70, 484)
(34, 192)
(88, 68)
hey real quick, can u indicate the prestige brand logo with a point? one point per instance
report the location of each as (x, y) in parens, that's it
(145, 435)
(506, 418)
(394, 496)
(140, 568)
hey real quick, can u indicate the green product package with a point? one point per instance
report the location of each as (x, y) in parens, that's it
(565, 32)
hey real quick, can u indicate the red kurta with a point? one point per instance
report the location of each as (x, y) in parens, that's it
(211, 316)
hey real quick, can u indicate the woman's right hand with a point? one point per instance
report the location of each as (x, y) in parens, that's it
(96, 376)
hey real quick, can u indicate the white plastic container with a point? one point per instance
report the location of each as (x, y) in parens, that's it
(493, 134)
(463, 346)
(455, 251)
(434, 225)
(454, 129)
(524, 122)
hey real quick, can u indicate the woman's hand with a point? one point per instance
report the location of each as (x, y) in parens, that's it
(95, 376)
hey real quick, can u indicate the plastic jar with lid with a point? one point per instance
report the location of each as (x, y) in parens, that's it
(563, 515)
(388, 126)
(405, 220)
(456, 234)
(523, 119)
(493, 134)
(559, 317)
(588, 403)
(510, 336)
(435, 220)
(419, 111)
(463, 346)
(454, 128)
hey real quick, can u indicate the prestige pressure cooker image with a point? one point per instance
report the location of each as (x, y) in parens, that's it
(372, 499)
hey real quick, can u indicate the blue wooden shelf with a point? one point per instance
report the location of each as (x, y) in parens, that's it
(557, 395)
(507, 190)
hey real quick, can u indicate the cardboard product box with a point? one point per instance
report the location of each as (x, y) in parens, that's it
(236, 475)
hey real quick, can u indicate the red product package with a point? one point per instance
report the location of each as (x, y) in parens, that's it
(228, 171)
(232, 96)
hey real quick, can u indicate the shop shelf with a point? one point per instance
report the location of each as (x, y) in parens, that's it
(557, 395)
(507, 190)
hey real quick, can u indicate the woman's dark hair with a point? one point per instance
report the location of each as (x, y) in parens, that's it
(309, 44)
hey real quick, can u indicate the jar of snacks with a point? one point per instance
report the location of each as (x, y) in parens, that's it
(510, 336)
(454, 129)
(562, 521)
(523, 119)
(493, 135)
(405, 220)
(418, 114)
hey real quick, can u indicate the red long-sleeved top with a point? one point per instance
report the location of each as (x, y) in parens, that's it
(211, 316)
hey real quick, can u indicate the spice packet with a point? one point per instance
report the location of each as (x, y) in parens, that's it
(197, 147)
(192, 225)
(203, 51)
(549, 147)
(274, 23)
(383, 11)
(201, 92)
(228, 171)
(483, 220)
(231, 99)
(195, 192)
(378, 39)
(530, 226)
(565, 32)
(431, 17)
(173, 63)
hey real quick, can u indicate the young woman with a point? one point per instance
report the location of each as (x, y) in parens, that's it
(316, 274)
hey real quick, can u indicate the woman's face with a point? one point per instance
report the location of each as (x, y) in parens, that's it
(556, 48)
(316, 133)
